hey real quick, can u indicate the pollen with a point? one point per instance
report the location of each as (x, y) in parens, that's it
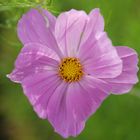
(70, 69)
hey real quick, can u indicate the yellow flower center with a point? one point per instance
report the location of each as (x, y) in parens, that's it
(70, 70)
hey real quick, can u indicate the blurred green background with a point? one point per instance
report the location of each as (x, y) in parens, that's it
(119, 116)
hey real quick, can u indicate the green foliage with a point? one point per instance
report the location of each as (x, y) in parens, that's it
(23, 4)
(118, 117)
(16, 7)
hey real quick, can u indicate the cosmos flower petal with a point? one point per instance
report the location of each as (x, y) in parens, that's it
(125, 81)
(50, 18)
(36, 27)
(94, 26)
(97, 20)
(71, 105)
(86, 100)
(59, 114)
(57, 110)
(68, 31)
(97, 83)
(33, 58)
(102, 61)
(39, 88)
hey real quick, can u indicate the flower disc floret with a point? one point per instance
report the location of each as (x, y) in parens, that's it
(70, 70)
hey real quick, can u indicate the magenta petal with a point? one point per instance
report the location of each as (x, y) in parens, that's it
(33, 58)
(71, 105)
(39, 88)
(84, 99)
(126, 80)
(36, 27)
(94, 25)
(51, 19)
(102, 60)
(97, 20)
(58, 114)
(69, 28)
(73, 28)
(98, 83)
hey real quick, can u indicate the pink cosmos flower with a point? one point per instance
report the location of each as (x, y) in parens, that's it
(68, 66)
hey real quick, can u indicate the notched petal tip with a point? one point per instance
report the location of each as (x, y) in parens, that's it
(71, 132)
(8, 75)
(12, 77)
(95, 11)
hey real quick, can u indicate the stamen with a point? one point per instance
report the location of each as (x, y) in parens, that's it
(70, 70)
